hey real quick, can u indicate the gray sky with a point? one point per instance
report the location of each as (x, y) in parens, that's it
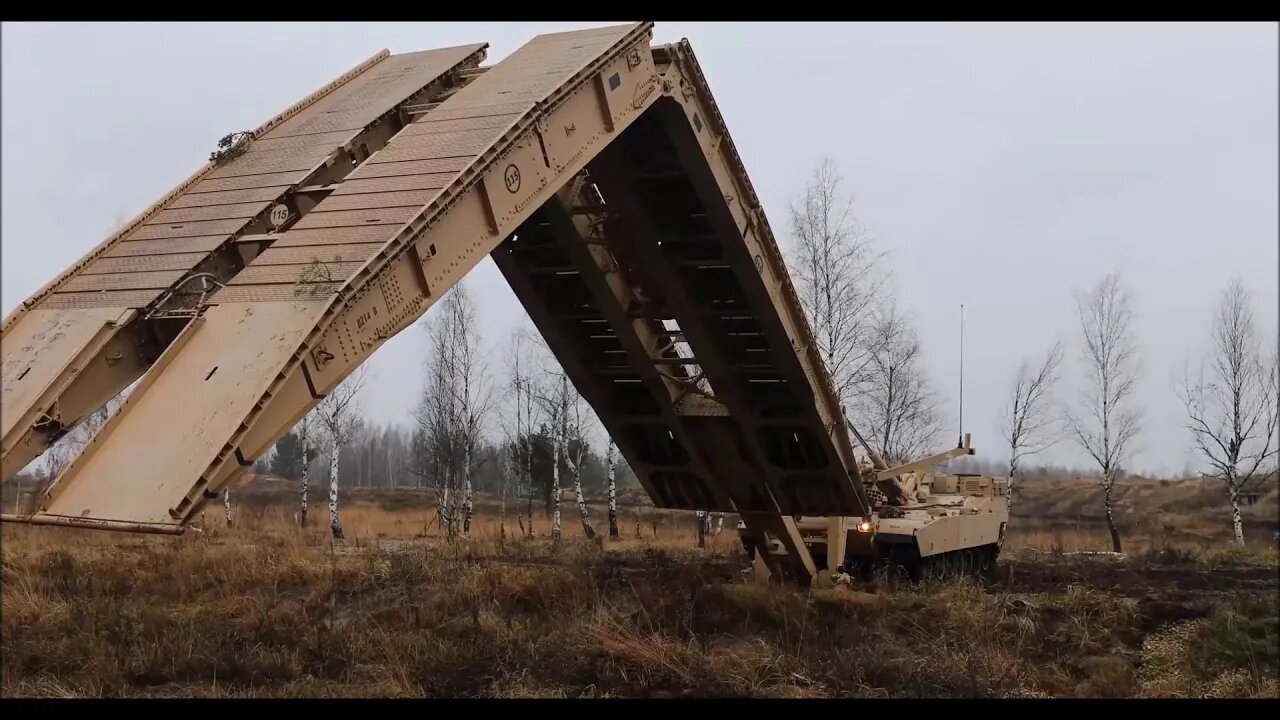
(1003, 165)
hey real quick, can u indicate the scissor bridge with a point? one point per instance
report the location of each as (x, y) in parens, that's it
(592, 166)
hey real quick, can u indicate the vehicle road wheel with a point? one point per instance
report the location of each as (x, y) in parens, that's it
(987, 565)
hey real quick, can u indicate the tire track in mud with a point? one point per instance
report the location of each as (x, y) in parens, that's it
(1164, 593)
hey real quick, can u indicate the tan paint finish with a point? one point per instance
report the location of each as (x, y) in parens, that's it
(104, 247)
(376, 247)
(140, 466)
(253, 380)
(690, 89)
(48, 351)
(58, 347)
(178, 235)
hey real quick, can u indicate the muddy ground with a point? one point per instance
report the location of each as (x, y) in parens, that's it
(265, 609)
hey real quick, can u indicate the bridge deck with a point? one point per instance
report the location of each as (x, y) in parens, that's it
(198, 411)
(597, 172)
(59, 335)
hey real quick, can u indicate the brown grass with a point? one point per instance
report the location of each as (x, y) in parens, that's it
(264, 609)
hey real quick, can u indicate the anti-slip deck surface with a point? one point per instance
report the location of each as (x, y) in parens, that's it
(597, 172)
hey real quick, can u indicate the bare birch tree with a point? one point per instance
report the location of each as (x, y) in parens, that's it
(570, 420)
(1106, 423)
(563, 407)
(521, 415)
(1233, 412)
(574, 454)
(840, 280)
(556, 446)
(898, 407)
(339, 414)
(1028, 419)
(472, 387)
(437, 423)
(455, 401)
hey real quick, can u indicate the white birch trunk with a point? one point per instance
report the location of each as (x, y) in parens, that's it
(1008, 492)
(1109, 505)
(467, 507)
(306, 468)
(613, 494)
(528, 458)
(446, 507)
(502, 502)
(1237, 523)
(513, 464)
(524, 532)
(555, 486)
(226, 504)
(334, 525)
(582, 501)
(528, 487)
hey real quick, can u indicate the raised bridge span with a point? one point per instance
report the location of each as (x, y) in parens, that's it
(596, 170)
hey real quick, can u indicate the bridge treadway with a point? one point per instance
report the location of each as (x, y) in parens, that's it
(592, 166)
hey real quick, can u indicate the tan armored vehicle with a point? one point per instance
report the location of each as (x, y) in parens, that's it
(922, 525)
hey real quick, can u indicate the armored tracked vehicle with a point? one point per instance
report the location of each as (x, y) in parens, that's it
(922, 525)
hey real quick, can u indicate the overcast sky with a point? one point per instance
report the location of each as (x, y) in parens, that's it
(1003, 165)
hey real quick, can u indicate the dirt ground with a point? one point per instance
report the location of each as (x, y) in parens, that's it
(265, 609)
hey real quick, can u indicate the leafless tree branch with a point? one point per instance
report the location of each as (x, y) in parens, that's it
(1232, 414)
(1105, 424)
(898, 406)
(840, 279)
(455, 401)
(1028, 421)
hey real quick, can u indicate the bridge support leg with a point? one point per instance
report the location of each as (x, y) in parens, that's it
(837, 537)
(760, 569)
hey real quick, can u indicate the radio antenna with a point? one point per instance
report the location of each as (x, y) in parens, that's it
(960, 439)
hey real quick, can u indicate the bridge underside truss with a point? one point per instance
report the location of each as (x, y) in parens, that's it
(592, 166)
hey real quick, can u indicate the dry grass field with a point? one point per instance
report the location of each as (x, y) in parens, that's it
(265, 609)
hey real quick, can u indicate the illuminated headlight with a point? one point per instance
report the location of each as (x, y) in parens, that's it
(864, 527)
